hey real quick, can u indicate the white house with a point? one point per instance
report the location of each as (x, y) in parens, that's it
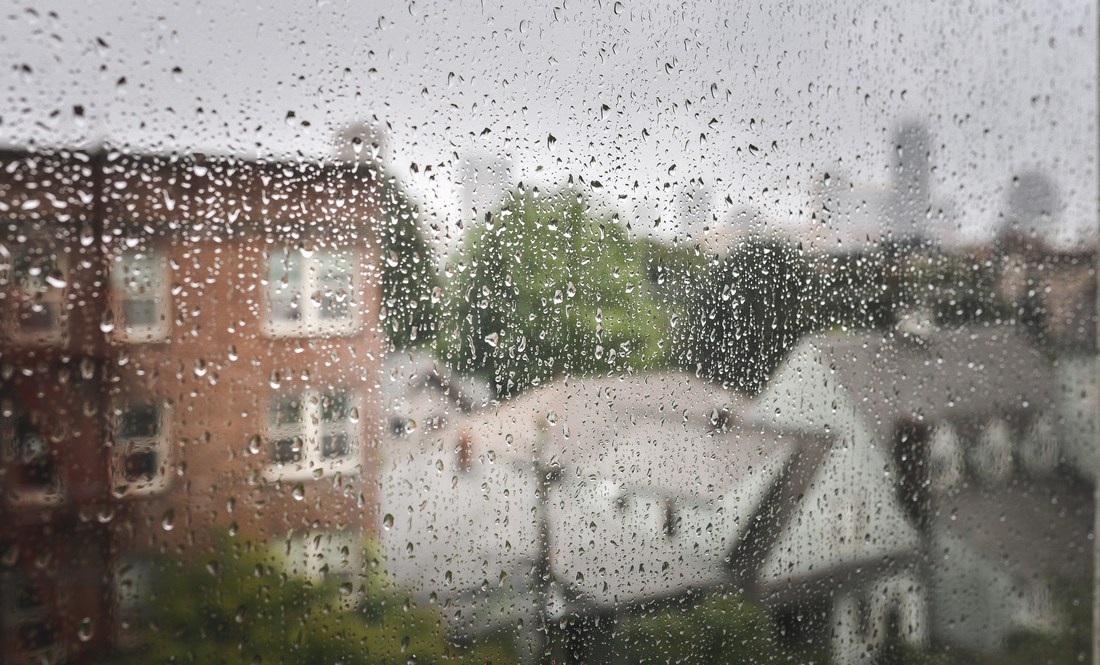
(921, 420)
(591, 497)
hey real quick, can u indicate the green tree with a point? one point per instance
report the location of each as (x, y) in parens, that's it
(546, 286)
(241, 605)
(753, 308)
(720, 629)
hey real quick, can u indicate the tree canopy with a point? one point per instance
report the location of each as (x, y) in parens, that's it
(545, 286)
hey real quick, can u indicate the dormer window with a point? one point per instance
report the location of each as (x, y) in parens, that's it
(1039, 449)
(992, 457)
(945, 457)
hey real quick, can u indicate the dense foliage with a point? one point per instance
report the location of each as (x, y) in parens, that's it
(752, 308)
(546, 286)
(244, 605)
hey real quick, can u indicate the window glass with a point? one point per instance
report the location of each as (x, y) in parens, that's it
(615, 331)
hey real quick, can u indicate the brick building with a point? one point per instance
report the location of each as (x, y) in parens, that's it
(189, 346)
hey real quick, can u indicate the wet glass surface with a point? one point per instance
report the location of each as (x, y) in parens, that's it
(617, 332)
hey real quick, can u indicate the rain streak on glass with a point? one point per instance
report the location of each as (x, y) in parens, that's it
(603, 332)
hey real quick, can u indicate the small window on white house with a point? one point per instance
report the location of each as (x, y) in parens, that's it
(1039, 446)
(312, 293)
(992, 456)
(31, 476)
(142, 449)
(945, 457)
(140, 286)
(35, 279)
(311, 431)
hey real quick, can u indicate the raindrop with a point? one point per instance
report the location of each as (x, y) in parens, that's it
(85, 631)
(107, 321)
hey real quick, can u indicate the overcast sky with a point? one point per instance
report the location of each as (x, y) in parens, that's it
(653, 93)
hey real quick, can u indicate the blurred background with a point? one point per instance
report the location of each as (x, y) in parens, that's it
(604, 332)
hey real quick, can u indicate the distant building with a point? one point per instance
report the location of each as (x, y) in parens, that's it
(189, 344)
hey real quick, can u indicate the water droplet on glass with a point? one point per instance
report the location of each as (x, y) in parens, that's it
(85, 631)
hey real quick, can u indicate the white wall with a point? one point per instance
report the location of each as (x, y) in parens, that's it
(850, 513)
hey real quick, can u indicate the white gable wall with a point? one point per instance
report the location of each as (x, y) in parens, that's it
(850, 513)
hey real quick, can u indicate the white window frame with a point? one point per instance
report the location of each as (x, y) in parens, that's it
(303, 297)
(124, 446)
(51, 495)
(39, 293)
(311, 429)
(127, 287)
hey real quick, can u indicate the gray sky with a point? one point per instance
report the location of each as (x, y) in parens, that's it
(648, 92)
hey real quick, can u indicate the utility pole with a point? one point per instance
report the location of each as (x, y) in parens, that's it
(546, 477)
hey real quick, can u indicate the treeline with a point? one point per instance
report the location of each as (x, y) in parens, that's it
(546, 285)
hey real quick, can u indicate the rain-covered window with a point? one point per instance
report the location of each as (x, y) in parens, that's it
(592, 332)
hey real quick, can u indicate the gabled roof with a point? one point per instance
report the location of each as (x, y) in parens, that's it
(970, 372)
(570, 414)
(655, 494)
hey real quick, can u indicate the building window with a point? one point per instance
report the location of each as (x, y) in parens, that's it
(26, 621)
(312, 293)
(140, 286)
(142, 448)
(35, 281)
(32, 474)
(311, 431)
